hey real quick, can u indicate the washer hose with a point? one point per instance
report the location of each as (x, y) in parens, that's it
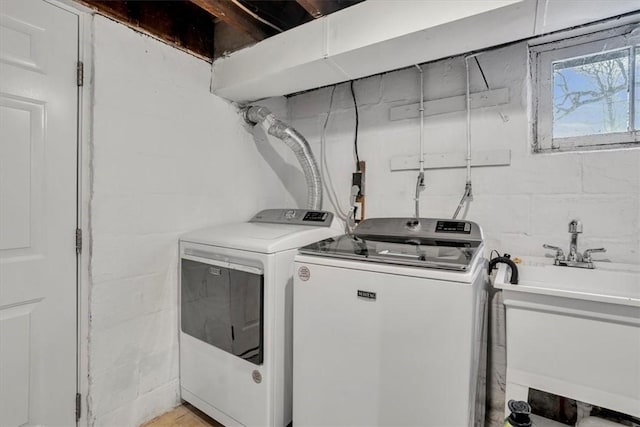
(505, 260)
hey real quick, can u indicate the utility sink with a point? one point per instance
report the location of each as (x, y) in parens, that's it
(574, 332)
(607, 282)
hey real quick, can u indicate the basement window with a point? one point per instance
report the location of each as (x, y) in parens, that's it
(587, 91)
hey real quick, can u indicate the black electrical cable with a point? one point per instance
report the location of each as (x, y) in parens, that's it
(491, 256)
(482, 72)
(355, 140)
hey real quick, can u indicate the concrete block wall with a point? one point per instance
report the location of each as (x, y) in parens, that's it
(520, 206)
(167, 157)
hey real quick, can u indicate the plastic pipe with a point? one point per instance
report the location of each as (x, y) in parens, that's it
(468, 99)
(467, 187)
(420, 180)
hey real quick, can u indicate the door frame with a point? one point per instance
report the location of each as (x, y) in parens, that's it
(83, 196)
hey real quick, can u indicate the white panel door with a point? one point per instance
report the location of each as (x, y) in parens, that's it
(38, 164)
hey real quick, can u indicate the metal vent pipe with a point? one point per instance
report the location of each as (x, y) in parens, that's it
(297, 143)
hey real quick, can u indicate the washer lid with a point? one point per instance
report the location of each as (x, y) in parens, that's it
(259, 237)
(424, 242)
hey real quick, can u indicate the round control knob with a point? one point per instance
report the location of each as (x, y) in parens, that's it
(413, 224)
(290, 214)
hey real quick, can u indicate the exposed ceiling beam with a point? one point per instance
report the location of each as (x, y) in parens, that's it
(180, 23)
(319, 8)
(231, 14)
(284, 14)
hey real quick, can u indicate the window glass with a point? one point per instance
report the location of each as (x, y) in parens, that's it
(586, 91)
(591, 94)
(637, 92)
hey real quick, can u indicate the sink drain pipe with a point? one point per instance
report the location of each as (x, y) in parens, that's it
(297, 143)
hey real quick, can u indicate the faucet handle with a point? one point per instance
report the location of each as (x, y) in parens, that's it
(559, 252)
(587, 254)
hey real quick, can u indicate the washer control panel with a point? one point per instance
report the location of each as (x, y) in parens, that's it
(294, 216)
(438, 229)
(453, 227)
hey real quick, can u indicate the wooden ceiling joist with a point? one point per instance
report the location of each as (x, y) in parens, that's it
(228, 12)
(213, 28)
(320, 8)
(281, 13)
(179, 23)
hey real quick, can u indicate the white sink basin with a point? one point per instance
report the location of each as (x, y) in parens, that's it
(607, 282)
(574, 332)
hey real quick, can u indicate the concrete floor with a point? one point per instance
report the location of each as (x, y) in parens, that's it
(183, 416)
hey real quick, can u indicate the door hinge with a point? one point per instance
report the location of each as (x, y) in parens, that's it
(78, 406)
(78, 240)
(80, 73)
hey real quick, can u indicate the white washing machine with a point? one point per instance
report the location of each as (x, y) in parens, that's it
(235, 295)
(390, 326)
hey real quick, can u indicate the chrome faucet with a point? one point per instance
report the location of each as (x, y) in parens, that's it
(575, 228)
(574, 258)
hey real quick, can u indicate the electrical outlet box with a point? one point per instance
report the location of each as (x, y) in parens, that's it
(357, 178)
(357, 215)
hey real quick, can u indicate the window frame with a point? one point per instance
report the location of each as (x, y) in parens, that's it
(543, 55)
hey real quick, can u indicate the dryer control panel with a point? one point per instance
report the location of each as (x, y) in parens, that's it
(294, 216)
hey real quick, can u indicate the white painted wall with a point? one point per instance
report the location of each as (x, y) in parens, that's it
(520, 206)
(167, 157)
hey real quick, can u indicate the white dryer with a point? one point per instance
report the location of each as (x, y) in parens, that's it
(235, 296)
(389, 326)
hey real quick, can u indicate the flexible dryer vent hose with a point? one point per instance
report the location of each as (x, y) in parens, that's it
(297, 143)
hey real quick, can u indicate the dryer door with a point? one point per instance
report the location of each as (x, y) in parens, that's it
(222, 304)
